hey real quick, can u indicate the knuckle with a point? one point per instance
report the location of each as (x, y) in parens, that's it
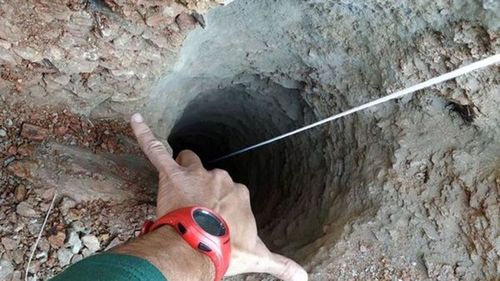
(221, 174)
(245, 192)
(155, 146)
(144, 132)
(185, 153)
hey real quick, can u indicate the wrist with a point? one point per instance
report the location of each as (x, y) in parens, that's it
(168, 252)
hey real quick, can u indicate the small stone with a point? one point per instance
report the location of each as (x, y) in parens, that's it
(26, 210)
(86, 252)
(9, 244)
(20, 192)
(19, 226)
(22, 169)
(18, 257)
(66, 204)
(25, 150)
(57, 240)
(3, 133)
(78, 226)
(76, 258)
(42, 256)
(91, 242)
(61, 130)
(64, 256)
(6, 269)
(12, 150)
(363, 249)
(8, 123)
(33, 132)
(104, 237)
(8, 160)
(157, 19)
(34, 227)
(185, 22)
(16, 276)
(44, 245)
(115, 242)
(48, 193)
(74, 242)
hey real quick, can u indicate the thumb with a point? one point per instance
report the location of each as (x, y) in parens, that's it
(285, 269)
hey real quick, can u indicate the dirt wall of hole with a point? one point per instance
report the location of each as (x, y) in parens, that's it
(398, 187)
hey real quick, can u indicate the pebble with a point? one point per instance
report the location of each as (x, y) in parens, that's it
(12, 150)
(64, 256)
(185, 22)
(44, 245)
(25, 150)
(363, 249)
(66, 204)
(8, 160)
(76, 258)
(26, 210)
(8, 123)
(20, 192)
(34, 227)
(91, 242)
(48, 193)
(86, 252)
(115, 242)
(16, 276)
(3, 133)
(79, 227)
(74, 242)
(6, 269)
(18, 257)
(57, 240)
(33, 132)
(9, 244)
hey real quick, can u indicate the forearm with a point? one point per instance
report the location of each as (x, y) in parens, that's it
(166, 250)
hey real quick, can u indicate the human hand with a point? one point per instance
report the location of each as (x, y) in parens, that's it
(184, 182)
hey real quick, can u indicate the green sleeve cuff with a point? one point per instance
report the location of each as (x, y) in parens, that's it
(111, 267)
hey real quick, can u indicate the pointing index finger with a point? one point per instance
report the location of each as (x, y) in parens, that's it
(155, 150)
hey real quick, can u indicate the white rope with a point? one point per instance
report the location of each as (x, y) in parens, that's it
(426, 84)
(39, 236)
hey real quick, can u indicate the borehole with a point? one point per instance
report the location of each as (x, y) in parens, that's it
(220, 121)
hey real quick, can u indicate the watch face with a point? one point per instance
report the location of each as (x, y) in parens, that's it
(209, 222)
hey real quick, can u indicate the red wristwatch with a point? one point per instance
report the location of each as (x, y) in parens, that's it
(201, 228)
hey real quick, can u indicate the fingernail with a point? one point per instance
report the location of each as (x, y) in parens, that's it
(137, 118)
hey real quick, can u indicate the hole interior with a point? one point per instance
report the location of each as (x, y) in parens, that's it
(217, 122)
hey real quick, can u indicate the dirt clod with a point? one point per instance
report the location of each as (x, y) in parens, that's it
(32, 132)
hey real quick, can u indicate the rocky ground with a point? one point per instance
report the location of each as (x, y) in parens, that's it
(78, 226)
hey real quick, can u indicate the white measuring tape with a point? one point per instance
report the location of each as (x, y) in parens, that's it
(426, 84)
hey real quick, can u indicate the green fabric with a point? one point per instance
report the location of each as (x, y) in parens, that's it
(111, 267)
